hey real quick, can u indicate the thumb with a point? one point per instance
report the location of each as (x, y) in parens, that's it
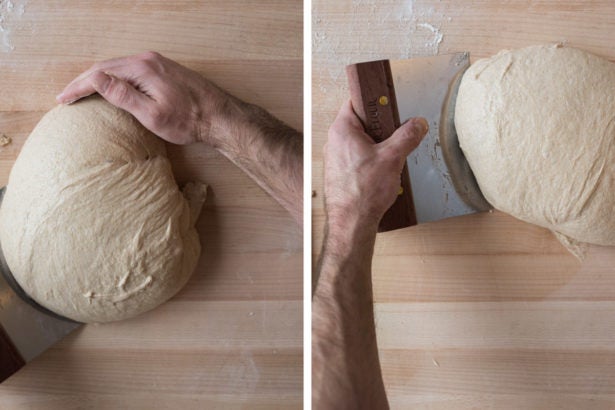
(407, 137)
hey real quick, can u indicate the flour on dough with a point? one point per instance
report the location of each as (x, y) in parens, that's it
(93, 225)
(537, 126)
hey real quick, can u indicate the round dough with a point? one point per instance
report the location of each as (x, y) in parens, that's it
(93, 225)
(537, 126)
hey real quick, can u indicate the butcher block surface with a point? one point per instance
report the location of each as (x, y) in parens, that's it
(481, 311)
(232, 338)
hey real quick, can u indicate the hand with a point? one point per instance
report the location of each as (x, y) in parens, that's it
(173, 102)
(362, 178)
(182, 107)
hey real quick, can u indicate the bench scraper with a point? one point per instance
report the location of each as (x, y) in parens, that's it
(436, 181)
(26, 328)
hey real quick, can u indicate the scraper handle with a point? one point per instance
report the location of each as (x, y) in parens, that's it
(10, 359)
(373, 98)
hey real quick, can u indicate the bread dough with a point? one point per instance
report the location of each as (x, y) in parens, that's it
(93, 225)
(537, 126)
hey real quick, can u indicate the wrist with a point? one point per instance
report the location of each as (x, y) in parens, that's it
(215, 109)
(352, 217)
(347, 229)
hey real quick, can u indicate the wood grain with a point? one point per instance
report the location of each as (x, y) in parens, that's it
(232, 338)
(480, 311)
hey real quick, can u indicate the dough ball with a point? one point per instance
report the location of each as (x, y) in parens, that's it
(93, 225)
(537, 126)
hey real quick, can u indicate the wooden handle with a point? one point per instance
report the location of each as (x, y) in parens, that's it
(10, 359)
(373, 99)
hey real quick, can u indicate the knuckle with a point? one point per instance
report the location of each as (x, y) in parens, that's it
(100, 81)
(112, 89)
(159, 117)
(387, 153)
(152, 62)
(390, 156)
(119, 93)
(336, 129)
(151, 56)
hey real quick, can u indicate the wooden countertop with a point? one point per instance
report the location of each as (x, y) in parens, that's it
(232, 337)
(482, 311)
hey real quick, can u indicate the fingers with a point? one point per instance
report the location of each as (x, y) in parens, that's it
(124, 68)
(348, 124)
(348, 115)
(114, 90)
(75, 91)
(407, 137)
(344, 119)
(113, 87)
(82, 86)
(120, 93)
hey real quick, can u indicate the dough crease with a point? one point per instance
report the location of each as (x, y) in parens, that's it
(537, 127)
(93, 225)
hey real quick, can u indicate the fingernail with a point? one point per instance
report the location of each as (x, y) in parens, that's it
(60, 97)
(420, 125)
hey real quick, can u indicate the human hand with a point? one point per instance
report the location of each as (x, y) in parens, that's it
(362, 178)
(172, 101)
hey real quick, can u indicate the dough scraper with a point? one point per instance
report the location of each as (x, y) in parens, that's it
(436, 181)
(26, 328)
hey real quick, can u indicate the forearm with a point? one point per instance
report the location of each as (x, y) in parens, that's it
(182, 107)
(346, 368)
(268, 150)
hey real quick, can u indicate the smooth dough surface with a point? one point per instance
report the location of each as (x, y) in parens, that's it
(537, 126)
(93, 225)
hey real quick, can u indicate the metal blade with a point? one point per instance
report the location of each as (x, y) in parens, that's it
(30, 328)
(423, 87)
